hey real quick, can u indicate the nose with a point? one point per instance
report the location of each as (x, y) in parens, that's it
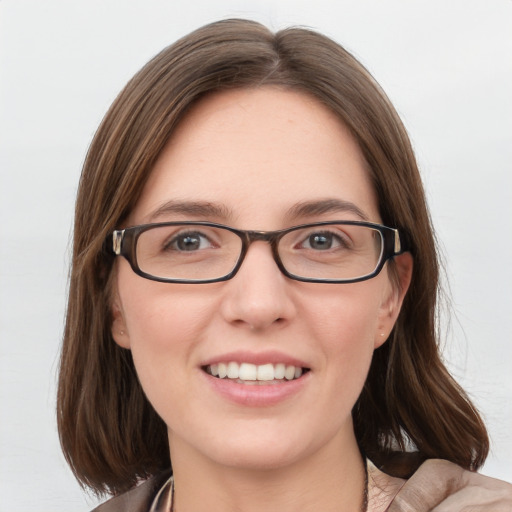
(258, 296)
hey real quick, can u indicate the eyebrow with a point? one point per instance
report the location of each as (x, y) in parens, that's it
(190, 208)
(207, 209)
(323, 206)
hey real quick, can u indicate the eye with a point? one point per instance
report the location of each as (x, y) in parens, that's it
(323, 241)
(190, 241)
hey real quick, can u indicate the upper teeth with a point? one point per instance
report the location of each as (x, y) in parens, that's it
(248, 371)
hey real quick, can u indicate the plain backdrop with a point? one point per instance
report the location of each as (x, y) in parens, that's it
(447, 67)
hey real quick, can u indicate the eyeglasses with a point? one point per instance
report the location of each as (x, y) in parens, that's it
(205, 252)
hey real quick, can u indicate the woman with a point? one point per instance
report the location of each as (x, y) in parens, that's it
(253, 294)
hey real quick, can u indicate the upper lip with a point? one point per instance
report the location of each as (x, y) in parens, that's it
(257, 358)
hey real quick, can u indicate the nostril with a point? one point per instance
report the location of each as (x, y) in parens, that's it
(256, 326)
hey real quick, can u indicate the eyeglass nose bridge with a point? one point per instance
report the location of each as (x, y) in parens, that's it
(271, 237)
(261, 236)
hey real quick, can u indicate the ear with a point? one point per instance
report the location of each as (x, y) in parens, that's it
(118, 328)
(394, 297)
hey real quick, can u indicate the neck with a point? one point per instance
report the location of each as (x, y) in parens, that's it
(324, 481)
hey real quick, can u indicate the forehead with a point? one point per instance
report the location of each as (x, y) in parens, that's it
(257, 153)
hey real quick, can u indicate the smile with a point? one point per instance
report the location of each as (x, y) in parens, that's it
(248, 373)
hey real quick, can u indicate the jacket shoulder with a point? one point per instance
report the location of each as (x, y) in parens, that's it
(138, 499)
(439, 481)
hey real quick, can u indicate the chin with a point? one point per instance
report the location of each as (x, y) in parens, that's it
(259, 446)
(256, 458)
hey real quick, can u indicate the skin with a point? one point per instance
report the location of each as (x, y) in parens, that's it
(256, 154)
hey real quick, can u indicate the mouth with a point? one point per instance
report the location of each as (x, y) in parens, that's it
(252, 374)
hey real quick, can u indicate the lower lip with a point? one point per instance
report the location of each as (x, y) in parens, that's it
(257, 395)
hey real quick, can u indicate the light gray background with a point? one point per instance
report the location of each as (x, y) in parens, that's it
(447, 66)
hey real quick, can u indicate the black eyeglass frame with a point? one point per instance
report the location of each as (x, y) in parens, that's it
(123, 242)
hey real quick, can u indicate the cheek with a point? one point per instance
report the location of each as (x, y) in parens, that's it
(164, 325)
(157, 313)
(346, 316)
(344, 325)
(164, 332)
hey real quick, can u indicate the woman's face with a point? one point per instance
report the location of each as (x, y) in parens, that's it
(262, 159)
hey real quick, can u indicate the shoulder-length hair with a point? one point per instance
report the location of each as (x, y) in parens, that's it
(110, 434)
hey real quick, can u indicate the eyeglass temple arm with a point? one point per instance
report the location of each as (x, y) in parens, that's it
(398, 245)
(117, 239)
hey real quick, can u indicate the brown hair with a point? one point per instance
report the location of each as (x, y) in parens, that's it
(110, 434)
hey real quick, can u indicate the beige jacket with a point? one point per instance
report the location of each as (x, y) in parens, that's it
(437, 486)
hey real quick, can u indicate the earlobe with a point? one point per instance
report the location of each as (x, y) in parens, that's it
(118, 327)
(391, 305)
